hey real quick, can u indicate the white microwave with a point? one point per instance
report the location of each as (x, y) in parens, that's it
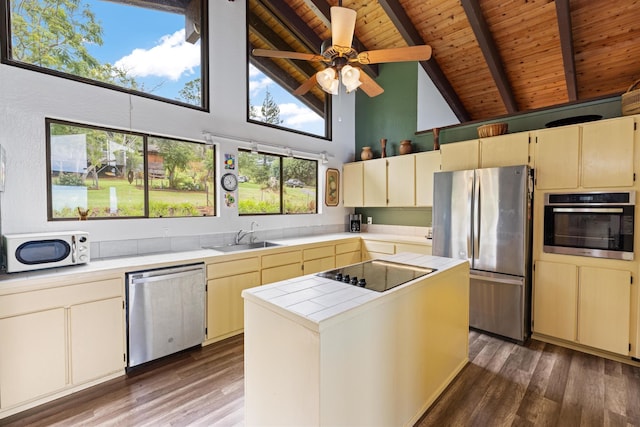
(35, 251)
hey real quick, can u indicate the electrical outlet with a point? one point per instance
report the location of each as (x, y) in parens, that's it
(369, 220)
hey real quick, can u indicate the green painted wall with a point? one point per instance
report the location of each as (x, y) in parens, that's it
(393, 115)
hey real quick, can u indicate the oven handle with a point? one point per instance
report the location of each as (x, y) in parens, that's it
(588, 210)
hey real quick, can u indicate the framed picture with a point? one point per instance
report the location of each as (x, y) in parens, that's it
(332, 188)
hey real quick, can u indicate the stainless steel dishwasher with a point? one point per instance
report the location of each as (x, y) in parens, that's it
(165, 311)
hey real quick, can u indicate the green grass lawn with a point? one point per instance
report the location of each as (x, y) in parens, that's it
(254, 199)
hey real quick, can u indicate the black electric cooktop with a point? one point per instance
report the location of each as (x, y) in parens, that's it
(377, 275)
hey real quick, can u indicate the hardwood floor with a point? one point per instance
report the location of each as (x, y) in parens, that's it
(503, 385)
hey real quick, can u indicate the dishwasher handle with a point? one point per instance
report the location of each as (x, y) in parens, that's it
(163, 276)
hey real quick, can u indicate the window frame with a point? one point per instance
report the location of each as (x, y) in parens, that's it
(5, 58)
(282, 157)
(145, 154)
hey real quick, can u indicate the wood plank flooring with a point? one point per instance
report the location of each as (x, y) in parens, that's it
(504, 385)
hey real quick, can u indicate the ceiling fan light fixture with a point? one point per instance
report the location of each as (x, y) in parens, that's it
(350, 78)
(328, 81)
(343, 23)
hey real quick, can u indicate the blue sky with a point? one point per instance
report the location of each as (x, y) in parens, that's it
(150, 45)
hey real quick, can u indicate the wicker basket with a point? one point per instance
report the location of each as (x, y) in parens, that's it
(631, 100)
(493, 129)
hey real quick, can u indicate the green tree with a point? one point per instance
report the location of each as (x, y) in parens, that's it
(270, 110)
(191, 93)
(304, 170)
(175, 155)
(55, 34)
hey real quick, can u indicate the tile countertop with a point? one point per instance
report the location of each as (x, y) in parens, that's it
(312, 300)
(135, 263)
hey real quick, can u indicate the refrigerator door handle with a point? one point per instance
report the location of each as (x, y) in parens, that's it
(470, 191)
(477, 218)
(518, 281)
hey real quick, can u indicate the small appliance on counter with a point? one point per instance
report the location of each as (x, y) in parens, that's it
(35, 251)
(355, 221)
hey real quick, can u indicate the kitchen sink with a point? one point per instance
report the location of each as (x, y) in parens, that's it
(243, 246)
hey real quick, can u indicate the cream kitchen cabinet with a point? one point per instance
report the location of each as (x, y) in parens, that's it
(353, 184)
(427, 164)
(227, 277)
(586, 305)
(375, 182)
(348, 253)
(389, 181)
(505, 150)
(591, 155)
(57, 338)
(374, 249)
(318, 258)
(281, 266)
(460, 155)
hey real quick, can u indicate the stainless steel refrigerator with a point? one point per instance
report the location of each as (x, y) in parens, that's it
(484, 216)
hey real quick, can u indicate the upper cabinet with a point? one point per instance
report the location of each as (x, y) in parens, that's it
(503, 150)
(375, 182)
(598, 154)
(401, 179)
(352, 184)
(426, 164)
(460, 155)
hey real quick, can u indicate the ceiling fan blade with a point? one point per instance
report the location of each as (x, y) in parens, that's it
(287, 55)
(400, 54)
(306, 86)
(369, 86)
(343, 23)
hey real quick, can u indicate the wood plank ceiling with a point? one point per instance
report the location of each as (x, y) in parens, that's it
(490, 57)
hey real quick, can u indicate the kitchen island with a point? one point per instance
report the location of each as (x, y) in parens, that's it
(322, 352)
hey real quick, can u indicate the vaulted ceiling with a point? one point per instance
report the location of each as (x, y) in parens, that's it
(490, 57)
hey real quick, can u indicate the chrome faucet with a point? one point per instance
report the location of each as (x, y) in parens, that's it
(240, 235)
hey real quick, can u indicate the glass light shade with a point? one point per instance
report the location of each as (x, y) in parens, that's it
(350, 78)
(327, 80)
(343, 22)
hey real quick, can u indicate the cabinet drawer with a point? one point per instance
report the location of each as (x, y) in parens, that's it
(283, 272)
(315, 253)
(64, 296)
(342, 248)
(348, 258)
(418, 249)
(230, 268)
(320, 264)
(381, 247)
(282, 258)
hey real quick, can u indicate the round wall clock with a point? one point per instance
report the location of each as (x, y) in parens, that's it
(229, 182)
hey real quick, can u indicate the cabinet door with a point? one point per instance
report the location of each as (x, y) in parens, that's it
(320, 264)
(33, 356)
(557, 157)
(352, 184)
(401, 181)
(97, 339)
(426, 164)
(348, 258)
(417, 249)
(225, 306)
(375, 182)
(505, 150)
(460, 155)
(555, 293)
(607, 153)
(604, 309)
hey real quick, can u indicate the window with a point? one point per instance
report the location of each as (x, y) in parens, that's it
(271, 83)
(105, 173)
(155, 48)
(273, 184)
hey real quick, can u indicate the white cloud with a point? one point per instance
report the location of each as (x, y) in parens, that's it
(172, 57)
(296, 115)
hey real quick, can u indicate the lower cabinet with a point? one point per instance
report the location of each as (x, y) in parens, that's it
(586, 305)
(227, 278)
(375, 249)
(281, 266)
(348, 253)
(319, 258)
(57, 338)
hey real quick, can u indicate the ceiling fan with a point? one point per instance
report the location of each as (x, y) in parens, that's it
(339, 54)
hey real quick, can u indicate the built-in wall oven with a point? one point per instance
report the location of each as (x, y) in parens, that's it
(595, 224)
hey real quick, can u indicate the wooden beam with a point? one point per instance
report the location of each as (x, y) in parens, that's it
(285, 80)
(563, 12)
(399, 17)
(270, 37)
(490, 52)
